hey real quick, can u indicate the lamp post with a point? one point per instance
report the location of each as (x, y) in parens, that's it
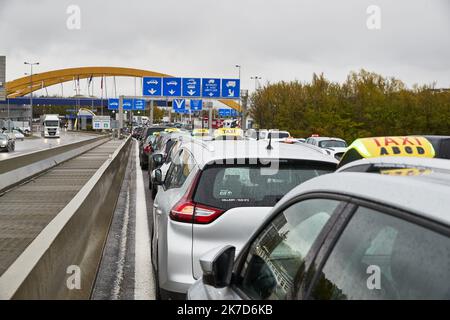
(256, 78)
(243, 126)
(31, 64)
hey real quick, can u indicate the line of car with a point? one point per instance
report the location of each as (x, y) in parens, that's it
(262, 219)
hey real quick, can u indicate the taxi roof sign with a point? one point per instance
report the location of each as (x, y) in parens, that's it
(400, 146)
(228, 132)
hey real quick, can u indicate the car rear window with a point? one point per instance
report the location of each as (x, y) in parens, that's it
(278, 135)
(151, 131)
(332, 144)
(249, 185)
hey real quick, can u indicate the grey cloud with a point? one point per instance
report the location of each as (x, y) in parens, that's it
(276, 39)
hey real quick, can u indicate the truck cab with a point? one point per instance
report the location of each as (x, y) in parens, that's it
(50, 126)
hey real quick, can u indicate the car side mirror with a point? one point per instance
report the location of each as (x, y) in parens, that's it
(217, 266)
(158, 158)
(157, 173)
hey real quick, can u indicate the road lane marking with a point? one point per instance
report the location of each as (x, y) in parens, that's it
(122, 249)
(143, 281)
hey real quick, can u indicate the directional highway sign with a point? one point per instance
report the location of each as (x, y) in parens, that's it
(139, 104)
(211, 88)
(191, 87)
(152, 86)
(172, 87)
(196, 105)
(179, 105)
(113, 104)
(231, 88)
(127, 104)
(224, 112)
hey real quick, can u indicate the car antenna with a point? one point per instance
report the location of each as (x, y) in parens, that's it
(269, 146)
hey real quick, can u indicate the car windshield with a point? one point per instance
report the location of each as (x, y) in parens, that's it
(228, 186)
(332, 144)
(3, 137)
(151, 131)
(52, 123)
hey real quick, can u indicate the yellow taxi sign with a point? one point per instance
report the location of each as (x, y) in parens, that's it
(170, 130)
(228, 132)
(200, 132)
(394, 146)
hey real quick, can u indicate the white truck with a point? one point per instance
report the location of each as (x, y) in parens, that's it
(50, 126)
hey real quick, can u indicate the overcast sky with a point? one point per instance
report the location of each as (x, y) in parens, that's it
(273, 39)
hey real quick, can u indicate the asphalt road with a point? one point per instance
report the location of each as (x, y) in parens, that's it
(38, 143)
(125, 271)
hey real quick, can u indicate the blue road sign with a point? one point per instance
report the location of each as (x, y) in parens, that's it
(196, 105)
(231, 88)
(152, 86)
(191, 87)
(139, 104)
(172, 87)
(210, 88)
(224, 112)
(113, 104)
(127, 104)
(179, 105)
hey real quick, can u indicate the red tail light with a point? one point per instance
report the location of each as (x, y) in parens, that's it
(148, 148)
(186, 210)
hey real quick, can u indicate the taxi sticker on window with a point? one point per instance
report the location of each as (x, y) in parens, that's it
(406, 172)
(394, 146)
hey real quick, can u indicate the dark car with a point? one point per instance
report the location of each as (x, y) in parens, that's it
(143, 156)
(137, 132)
(166, 148)
(7, 143)
(441, 145)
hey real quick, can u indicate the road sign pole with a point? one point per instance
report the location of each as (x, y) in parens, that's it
(120, 113)
(210, 117)
(151, 111)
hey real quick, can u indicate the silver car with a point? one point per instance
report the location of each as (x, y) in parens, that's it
(218, 192)
(335, 147)
(343, 236)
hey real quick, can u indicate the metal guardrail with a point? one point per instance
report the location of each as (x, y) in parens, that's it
(73, 241)
(14, 171)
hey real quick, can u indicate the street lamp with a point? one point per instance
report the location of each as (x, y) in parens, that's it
(256, 78)
(31, 64)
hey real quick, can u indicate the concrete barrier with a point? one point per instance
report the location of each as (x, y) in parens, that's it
(70, 246)
(14, 171)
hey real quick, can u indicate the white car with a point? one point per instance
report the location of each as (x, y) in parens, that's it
(329, 237)
(335, 147)
(18, 135)
(218, 192)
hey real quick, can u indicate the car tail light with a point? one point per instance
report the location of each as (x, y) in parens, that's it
(186, 210)
(148, 148)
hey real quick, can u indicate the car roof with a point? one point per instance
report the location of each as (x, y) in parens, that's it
(399, 161)
(206, 152)
(327, 138)
(425, 195)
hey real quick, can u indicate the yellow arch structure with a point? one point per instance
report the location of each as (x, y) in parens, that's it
(21, 86)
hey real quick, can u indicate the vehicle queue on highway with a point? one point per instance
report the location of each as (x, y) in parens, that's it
(262, 215)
